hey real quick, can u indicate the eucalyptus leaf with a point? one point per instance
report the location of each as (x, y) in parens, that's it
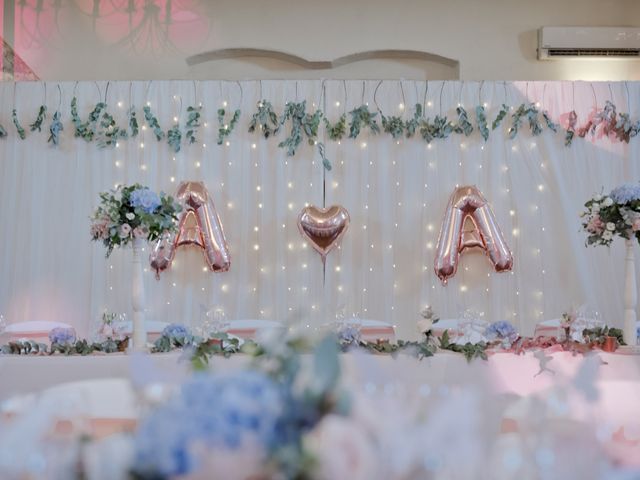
(152, 121)
(37, 124)
(133, 122)
(224, 129)
(265, 119)
(463, 125)
(481, 121)
(174, 138)
(361, 118)
(502, 113)
(338, 130)
(393, 125)
(16, 122)
(3, 132)
(412, 125)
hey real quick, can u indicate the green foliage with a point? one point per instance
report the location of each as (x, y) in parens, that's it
(550, 124)
(598, 335)
(393, 125)
(192, 124)
(174, 137)
(108, 132)
(37, 124)
(303, 125)
(86, 130)
(463, 125)
(412, 125)
(338, 130)
(133, 122)
(469, 350)
(265, 119)
(224, 130)
(55, 129)
(295, 112)
(441, 127)
(152, 121)
(16, 122)
(481, 120)
(361, 118)
(3, 132)
(517, 118)
(502, 113)
(27, 347)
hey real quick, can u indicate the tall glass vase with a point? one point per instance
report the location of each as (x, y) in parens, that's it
(138, 300)
(629, 331)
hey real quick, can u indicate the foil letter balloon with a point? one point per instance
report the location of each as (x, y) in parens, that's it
(323, 227)
(468, 208)
(199, 225)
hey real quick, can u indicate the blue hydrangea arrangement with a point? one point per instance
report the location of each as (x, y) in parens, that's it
(62, 336)
(134, 211)
(223, 412)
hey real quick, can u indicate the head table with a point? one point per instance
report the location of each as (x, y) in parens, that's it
(617, 376)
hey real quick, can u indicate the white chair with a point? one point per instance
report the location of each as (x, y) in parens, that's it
(153, 327)
(38, 331)
(550, 328)
(252, 329)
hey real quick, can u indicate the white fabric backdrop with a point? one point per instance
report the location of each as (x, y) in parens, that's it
(395, 193)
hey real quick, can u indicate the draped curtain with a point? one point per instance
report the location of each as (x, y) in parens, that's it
(396, 193)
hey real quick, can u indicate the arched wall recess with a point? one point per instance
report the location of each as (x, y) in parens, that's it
(262, 63)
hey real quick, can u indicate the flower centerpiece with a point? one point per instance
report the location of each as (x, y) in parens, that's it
(132, 215)
(132, 212)
(608, 216)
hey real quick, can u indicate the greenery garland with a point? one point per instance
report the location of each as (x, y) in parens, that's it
(102, 127)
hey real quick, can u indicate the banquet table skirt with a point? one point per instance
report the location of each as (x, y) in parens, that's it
(504, 373)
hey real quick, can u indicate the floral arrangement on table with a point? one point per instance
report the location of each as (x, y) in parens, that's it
(247, 424)
(616, 214)
(133, 212)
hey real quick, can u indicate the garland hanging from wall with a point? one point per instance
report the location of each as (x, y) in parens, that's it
(300, 124)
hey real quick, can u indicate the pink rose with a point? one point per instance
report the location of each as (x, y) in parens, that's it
(125, 230)
(595, 225)
(107, 330)
(635, 226)
(100, 230)
(140, 232)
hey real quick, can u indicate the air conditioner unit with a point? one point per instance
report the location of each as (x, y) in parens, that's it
(600, 42)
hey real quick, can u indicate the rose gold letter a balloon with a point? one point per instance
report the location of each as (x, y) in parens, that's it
(468, 205)
(198, 225)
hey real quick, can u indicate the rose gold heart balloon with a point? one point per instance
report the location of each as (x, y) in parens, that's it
(323, 227)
